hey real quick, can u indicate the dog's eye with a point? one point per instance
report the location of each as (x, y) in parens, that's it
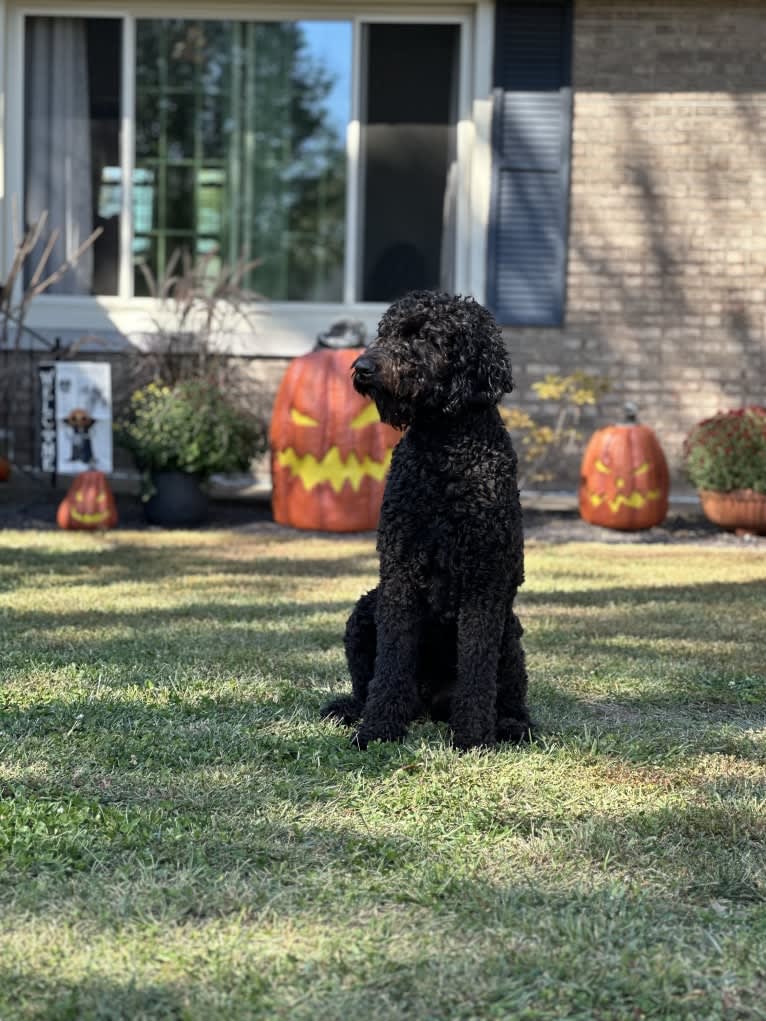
(367, 417)
(300, 419)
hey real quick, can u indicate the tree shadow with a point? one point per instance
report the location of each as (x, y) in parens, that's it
(67, 999)
(697, 596)
(127, 560)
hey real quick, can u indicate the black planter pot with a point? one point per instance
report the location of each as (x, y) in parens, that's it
(177, 502)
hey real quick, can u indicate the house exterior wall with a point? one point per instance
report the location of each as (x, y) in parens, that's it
(667, 247)
(666, 280)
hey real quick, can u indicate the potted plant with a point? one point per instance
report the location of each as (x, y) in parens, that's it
(180, 435)
(725, 459)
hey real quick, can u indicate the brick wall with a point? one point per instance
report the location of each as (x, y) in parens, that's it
(667, 247)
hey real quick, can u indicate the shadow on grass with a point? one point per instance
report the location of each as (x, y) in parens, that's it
(124, 561)
(552, 975)
(692, 640)
(699, 595)
(147, 620)
(94, 999)
(173, 865)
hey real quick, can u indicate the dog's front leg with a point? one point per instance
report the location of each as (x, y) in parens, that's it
(479, 634)
(392, 698)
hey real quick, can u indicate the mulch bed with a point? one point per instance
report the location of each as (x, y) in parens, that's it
(688, 526)
(35, 508)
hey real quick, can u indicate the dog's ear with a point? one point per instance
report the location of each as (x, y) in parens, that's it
(482, 384)
(500, 379)
(493, 376)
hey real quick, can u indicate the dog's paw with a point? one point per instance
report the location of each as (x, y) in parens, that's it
(345, 710)
(379, 732)
(477, 730)
(465, 742)
(510, 729)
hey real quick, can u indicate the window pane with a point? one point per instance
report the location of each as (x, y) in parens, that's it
(409, 154)
(240, 133)
(72, 158)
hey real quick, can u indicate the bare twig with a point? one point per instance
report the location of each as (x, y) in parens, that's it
(68, 264)
(16, 297)
(46, 254)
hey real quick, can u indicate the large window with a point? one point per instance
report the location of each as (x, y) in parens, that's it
(239, 148)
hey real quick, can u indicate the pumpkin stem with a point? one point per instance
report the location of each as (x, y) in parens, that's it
(631, 412)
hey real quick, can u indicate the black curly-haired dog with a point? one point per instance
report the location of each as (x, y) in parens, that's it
(438, 636)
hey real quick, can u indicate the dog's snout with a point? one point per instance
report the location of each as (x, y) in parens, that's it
(364, 367)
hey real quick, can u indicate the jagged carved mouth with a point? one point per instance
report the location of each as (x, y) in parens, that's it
(634, 500)
(332, 469)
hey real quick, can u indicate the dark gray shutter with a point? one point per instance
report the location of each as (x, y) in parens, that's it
(531, 143)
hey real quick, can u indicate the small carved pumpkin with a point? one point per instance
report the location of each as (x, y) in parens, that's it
(329, 450)
(624, 478)
(89, 504)
(5, 469)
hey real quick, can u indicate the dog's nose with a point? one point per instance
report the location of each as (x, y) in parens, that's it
(364, 367)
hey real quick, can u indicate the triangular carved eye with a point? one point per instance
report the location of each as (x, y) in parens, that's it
(367, 417)
(300, 419)
(642, 469)
(601, 467)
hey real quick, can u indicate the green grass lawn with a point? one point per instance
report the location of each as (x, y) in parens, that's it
(181, 837)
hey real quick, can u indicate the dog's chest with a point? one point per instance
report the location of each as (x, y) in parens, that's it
(449, 523)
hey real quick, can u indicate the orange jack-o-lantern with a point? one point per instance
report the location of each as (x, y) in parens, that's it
(89, 503)
(5, 469)
(624, 479)
(329, 450)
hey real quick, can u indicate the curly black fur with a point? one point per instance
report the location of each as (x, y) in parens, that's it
(438, 636)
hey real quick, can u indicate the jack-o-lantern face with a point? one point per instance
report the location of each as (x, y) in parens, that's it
(624, 479)
(89, 504)
(329, 450)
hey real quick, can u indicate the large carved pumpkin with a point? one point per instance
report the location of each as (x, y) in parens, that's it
(624, 479)
(89, 504)
(329, 450)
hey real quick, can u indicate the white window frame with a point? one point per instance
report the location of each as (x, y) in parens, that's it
(288, 327)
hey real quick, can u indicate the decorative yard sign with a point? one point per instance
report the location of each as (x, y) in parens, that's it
(75, 417)
(48, 418)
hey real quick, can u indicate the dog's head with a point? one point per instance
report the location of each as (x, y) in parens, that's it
(436, 355)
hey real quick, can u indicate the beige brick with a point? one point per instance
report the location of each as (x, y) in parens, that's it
(667, 247)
